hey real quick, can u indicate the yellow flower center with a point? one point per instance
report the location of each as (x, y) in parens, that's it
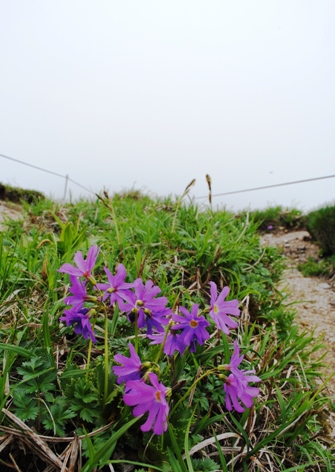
(158, 396)
(216, 309)
(194, 323)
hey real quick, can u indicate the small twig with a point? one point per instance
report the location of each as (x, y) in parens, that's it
(13, 460)
(41, 447)
(5, 441)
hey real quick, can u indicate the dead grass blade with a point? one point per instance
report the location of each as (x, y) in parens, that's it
(34, 441)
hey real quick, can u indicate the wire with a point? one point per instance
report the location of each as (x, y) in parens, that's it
(270, 186)
(214, 195)
(48, 171)
(35, 167)
(79, 185)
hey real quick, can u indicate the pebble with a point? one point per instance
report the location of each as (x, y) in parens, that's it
(324, 285)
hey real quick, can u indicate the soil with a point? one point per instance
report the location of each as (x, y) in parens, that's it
(9, 210)
(313, 299)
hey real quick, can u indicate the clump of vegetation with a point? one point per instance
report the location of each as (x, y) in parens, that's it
(317, 268)
(321, 225)
(273, 218)
(17, 195)
(237, 399)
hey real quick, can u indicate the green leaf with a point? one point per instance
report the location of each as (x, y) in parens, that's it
(18, 350)
(181, 464)
(104, 451)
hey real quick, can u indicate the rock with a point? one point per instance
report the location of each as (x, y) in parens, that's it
(324, 286)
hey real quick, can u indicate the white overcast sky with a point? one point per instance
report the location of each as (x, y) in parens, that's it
(151, 94)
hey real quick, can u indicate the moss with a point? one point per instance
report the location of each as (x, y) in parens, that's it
(16, 195)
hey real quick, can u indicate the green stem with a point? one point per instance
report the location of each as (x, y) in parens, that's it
(175, 214)
(136, 333)
(88, 358)
(187, 189)
(89, 351)
(163, 344)
(190, 389)
(115, 223)
(106, 356)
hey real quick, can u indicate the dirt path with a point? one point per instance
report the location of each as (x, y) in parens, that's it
(313, 298)
(9, 210)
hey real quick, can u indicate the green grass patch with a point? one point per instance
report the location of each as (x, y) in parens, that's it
(321, 225)
(313, 268)
(274, 218)
(61, 385)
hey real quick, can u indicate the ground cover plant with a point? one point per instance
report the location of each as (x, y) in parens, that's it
(321, 225)
(14, 194)
(276, 218)
(150, 335)
(324, 267)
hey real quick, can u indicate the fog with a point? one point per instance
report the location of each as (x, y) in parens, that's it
(149, 95)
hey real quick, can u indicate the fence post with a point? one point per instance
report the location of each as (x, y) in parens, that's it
(65, 189)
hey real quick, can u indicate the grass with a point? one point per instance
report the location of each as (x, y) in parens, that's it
(14, 194)
(313, 268)
(274, 218)
(321, 225)
(55, 396)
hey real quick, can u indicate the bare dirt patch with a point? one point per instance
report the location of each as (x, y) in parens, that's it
(9, 210)
(312, 297)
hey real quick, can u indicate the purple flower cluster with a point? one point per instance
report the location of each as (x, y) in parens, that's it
(189, 328)
(84, 268)
(116, 289)
(220, 309)
(145, 398)
(80, 318)
(151, 399)
(175, 332)
(236, 384)
(144, 309)
(78, 315)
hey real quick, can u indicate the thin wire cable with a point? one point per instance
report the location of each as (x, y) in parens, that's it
(31, 165)
(269, 186)
(79, 185)
(48, 171)
(214, 195)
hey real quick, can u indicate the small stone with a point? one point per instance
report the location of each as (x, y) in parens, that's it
(324, 285)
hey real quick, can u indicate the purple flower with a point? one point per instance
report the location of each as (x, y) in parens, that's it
(131, 369)
(78, 290)
(117, 288)
(235, 360)
(80, 318)
(172, 342)
(84, 268)
(149, 398)
(236, 386)
(220, 308)
(151, 312)
(192, 326)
